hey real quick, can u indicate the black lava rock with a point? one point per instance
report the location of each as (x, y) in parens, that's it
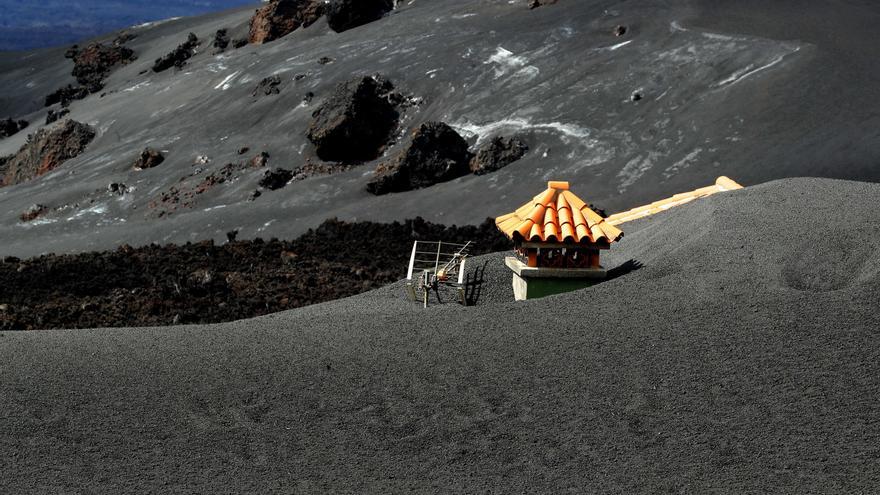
(268, 86)
(355, 122)
(343, 15)
(276, 179)
(8, 127)
(149, 158)
(435, 154)
(497, 154)
(178, 56)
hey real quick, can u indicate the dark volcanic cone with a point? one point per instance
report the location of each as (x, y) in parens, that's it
(355, 122)
(436, 154)
(45, 151)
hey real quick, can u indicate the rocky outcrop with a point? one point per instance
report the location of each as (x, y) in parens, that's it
(149, 158)
(221, 41)
(279, 18)
(178, 56)
(343, 15)
(356, 122)
(91, 65)
(94, 63)
(268, 86)
(8, 127)
(54, 116)
(497, 154)
(66, 95)
(276, 179)
(436, 153)
(47, 150)
(32, 213)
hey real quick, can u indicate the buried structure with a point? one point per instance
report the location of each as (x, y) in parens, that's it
(557, 237)
(557, 240)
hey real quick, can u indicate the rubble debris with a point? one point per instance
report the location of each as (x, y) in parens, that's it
(497, 154)
(243, 150)
(46, 150)
(8, 127)
(325, 60)
(435, 153)
(636, 96)
(149, 158)
(178, 56)
(276, 179)
(356, 122)
(239, 42)
(343, 15)
(278, 18)
(268, 86)
(619, 30)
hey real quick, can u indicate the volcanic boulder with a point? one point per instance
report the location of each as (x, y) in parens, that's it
(268, 86)
(32, 213)
(435, 154)
(149, 158)
(497, 154)
(276, 179)
(178, 56)
(279, 18)
(8, 127)
(46, 151)
(356, 121)
(343, 15)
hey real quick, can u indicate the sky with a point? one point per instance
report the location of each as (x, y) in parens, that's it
(27, 24)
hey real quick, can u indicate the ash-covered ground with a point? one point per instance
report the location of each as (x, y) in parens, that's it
(630, 101)
(743, 357)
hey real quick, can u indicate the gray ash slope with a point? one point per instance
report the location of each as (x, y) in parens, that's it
(741, 358)
(752, 91)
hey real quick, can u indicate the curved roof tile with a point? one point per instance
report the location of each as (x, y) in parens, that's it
(557, 215)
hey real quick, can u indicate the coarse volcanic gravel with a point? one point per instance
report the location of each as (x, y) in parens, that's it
(743, 357)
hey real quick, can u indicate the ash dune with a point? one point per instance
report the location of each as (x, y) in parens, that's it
(742, 357)
(690, 91)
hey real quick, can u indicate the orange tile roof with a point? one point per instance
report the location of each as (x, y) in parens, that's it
(557, 215)
(721, 184)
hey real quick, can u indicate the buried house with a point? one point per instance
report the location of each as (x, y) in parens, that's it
(557, 240)
(557, 237)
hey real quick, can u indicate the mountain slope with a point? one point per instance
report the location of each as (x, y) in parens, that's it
(747, 90)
